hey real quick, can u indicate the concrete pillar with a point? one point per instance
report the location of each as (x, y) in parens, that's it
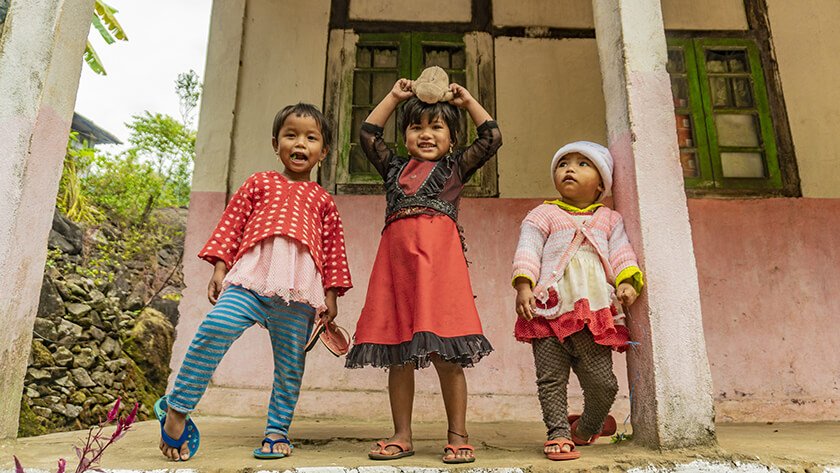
(214, 148)
(669, 373)
(40, 64)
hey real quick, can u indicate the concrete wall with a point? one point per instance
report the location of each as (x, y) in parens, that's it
(556, 101)
(677, 14)
(411, 10)
(806, 38)
(766, 297)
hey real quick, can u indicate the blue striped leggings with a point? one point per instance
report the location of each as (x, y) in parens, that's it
(237, 309)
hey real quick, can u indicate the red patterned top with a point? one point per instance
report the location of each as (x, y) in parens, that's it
(268, 204)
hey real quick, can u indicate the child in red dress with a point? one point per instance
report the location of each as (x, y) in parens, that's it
(419, 307)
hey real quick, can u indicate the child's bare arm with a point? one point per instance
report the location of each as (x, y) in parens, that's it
(626, 293)
(331, 301)
(215, 286)
(383, 111)
(462, 98)
(525, 300)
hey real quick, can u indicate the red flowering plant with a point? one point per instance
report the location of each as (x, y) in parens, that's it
(96, 442)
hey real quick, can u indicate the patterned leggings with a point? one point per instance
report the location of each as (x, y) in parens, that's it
(592, 364)
(237, 309)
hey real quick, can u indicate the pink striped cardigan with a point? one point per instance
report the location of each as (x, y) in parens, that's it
(548, 232)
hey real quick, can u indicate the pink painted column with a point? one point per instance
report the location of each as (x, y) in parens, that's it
(672, 404)
(40, 65)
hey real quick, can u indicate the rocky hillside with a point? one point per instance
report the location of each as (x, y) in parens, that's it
(105, 323)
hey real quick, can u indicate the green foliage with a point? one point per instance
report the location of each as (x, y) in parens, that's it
(188, 88)
(105, 22)
(72, 200)
(154, 172)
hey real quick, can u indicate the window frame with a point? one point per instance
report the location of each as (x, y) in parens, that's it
(334, 174)
(702, 112)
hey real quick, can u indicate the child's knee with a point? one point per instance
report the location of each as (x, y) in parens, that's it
(445, 367)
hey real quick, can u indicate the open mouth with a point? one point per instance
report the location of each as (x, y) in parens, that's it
(298, 158)
(569, 179)
(427, 146)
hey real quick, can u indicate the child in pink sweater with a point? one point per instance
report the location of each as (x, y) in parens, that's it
(573, 269)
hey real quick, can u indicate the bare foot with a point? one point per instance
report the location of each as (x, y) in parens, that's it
(557, 449)
(393, 449)
(279, 447)
(457, 440)
(174, 427)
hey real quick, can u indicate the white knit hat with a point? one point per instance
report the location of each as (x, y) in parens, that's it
(599, 155)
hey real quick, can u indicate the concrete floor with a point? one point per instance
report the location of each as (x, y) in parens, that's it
(227, 442)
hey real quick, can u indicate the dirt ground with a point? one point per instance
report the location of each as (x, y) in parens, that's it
(226, 445)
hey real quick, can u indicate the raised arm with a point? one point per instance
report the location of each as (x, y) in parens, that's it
(489, 137)
(370, 136)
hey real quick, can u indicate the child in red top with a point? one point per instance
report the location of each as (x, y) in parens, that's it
(279, 259)
(419, 307)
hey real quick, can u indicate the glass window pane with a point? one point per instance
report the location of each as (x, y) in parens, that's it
(458, 78)
(742, 92)
(688, 161)
(390, 130)
(727, 60)
(737, 130)
(359, 115)
(679, 88)
(361, 88)
(721, 93)
(685, 131)
(363, 56)
(383, 82)
(742, 165)
(358, 162)
(436, 57)
(459, 59)
(676, 60)
(385, 57)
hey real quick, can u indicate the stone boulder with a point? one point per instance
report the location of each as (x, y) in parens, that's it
(149, 344)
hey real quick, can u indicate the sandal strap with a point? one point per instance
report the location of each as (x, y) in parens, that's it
(271, 443)
(560, 443)
(463, 436)
(383, 445)
(460, 447)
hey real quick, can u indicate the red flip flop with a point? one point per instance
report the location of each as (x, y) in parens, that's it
(559, 456)
(382, 454)
(608, 429)
(332, 335)
(455, 450)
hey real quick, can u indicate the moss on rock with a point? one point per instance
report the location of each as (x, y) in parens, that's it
(149, 344)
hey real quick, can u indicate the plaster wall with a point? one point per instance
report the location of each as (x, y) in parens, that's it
(548, 93)
(805, 38)
(283, 62)
(677, 14)
(767, 304)
(411, 10)
(40, 65)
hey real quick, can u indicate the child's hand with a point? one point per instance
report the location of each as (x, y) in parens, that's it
(332, 306)
(215, 286)
(402, 90)
(525, 300)
(461, 97)
(626, 293)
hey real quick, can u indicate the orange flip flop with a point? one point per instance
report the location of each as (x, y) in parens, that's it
(559, 456)
(609, 428)
(382, 454)
(455, 450)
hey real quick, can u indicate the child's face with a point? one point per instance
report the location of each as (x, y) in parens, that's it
(428, 140)
(578, 180)
(300, 146)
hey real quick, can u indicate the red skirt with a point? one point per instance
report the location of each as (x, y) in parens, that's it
(599, 322)
(419, 299)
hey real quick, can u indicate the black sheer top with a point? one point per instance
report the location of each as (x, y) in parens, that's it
(440, 192)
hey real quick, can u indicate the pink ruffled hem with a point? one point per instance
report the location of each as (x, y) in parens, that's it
(600, 323)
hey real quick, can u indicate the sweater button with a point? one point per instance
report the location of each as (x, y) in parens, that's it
(413, 176)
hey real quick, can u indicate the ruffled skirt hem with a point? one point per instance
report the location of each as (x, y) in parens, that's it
(465, 351)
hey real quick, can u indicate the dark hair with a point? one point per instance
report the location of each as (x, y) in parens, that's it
(304, 110)
(415, 109)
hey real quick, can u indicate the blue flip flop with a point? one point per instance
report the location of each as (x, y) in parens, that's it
(272, 455)
(190, 434)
